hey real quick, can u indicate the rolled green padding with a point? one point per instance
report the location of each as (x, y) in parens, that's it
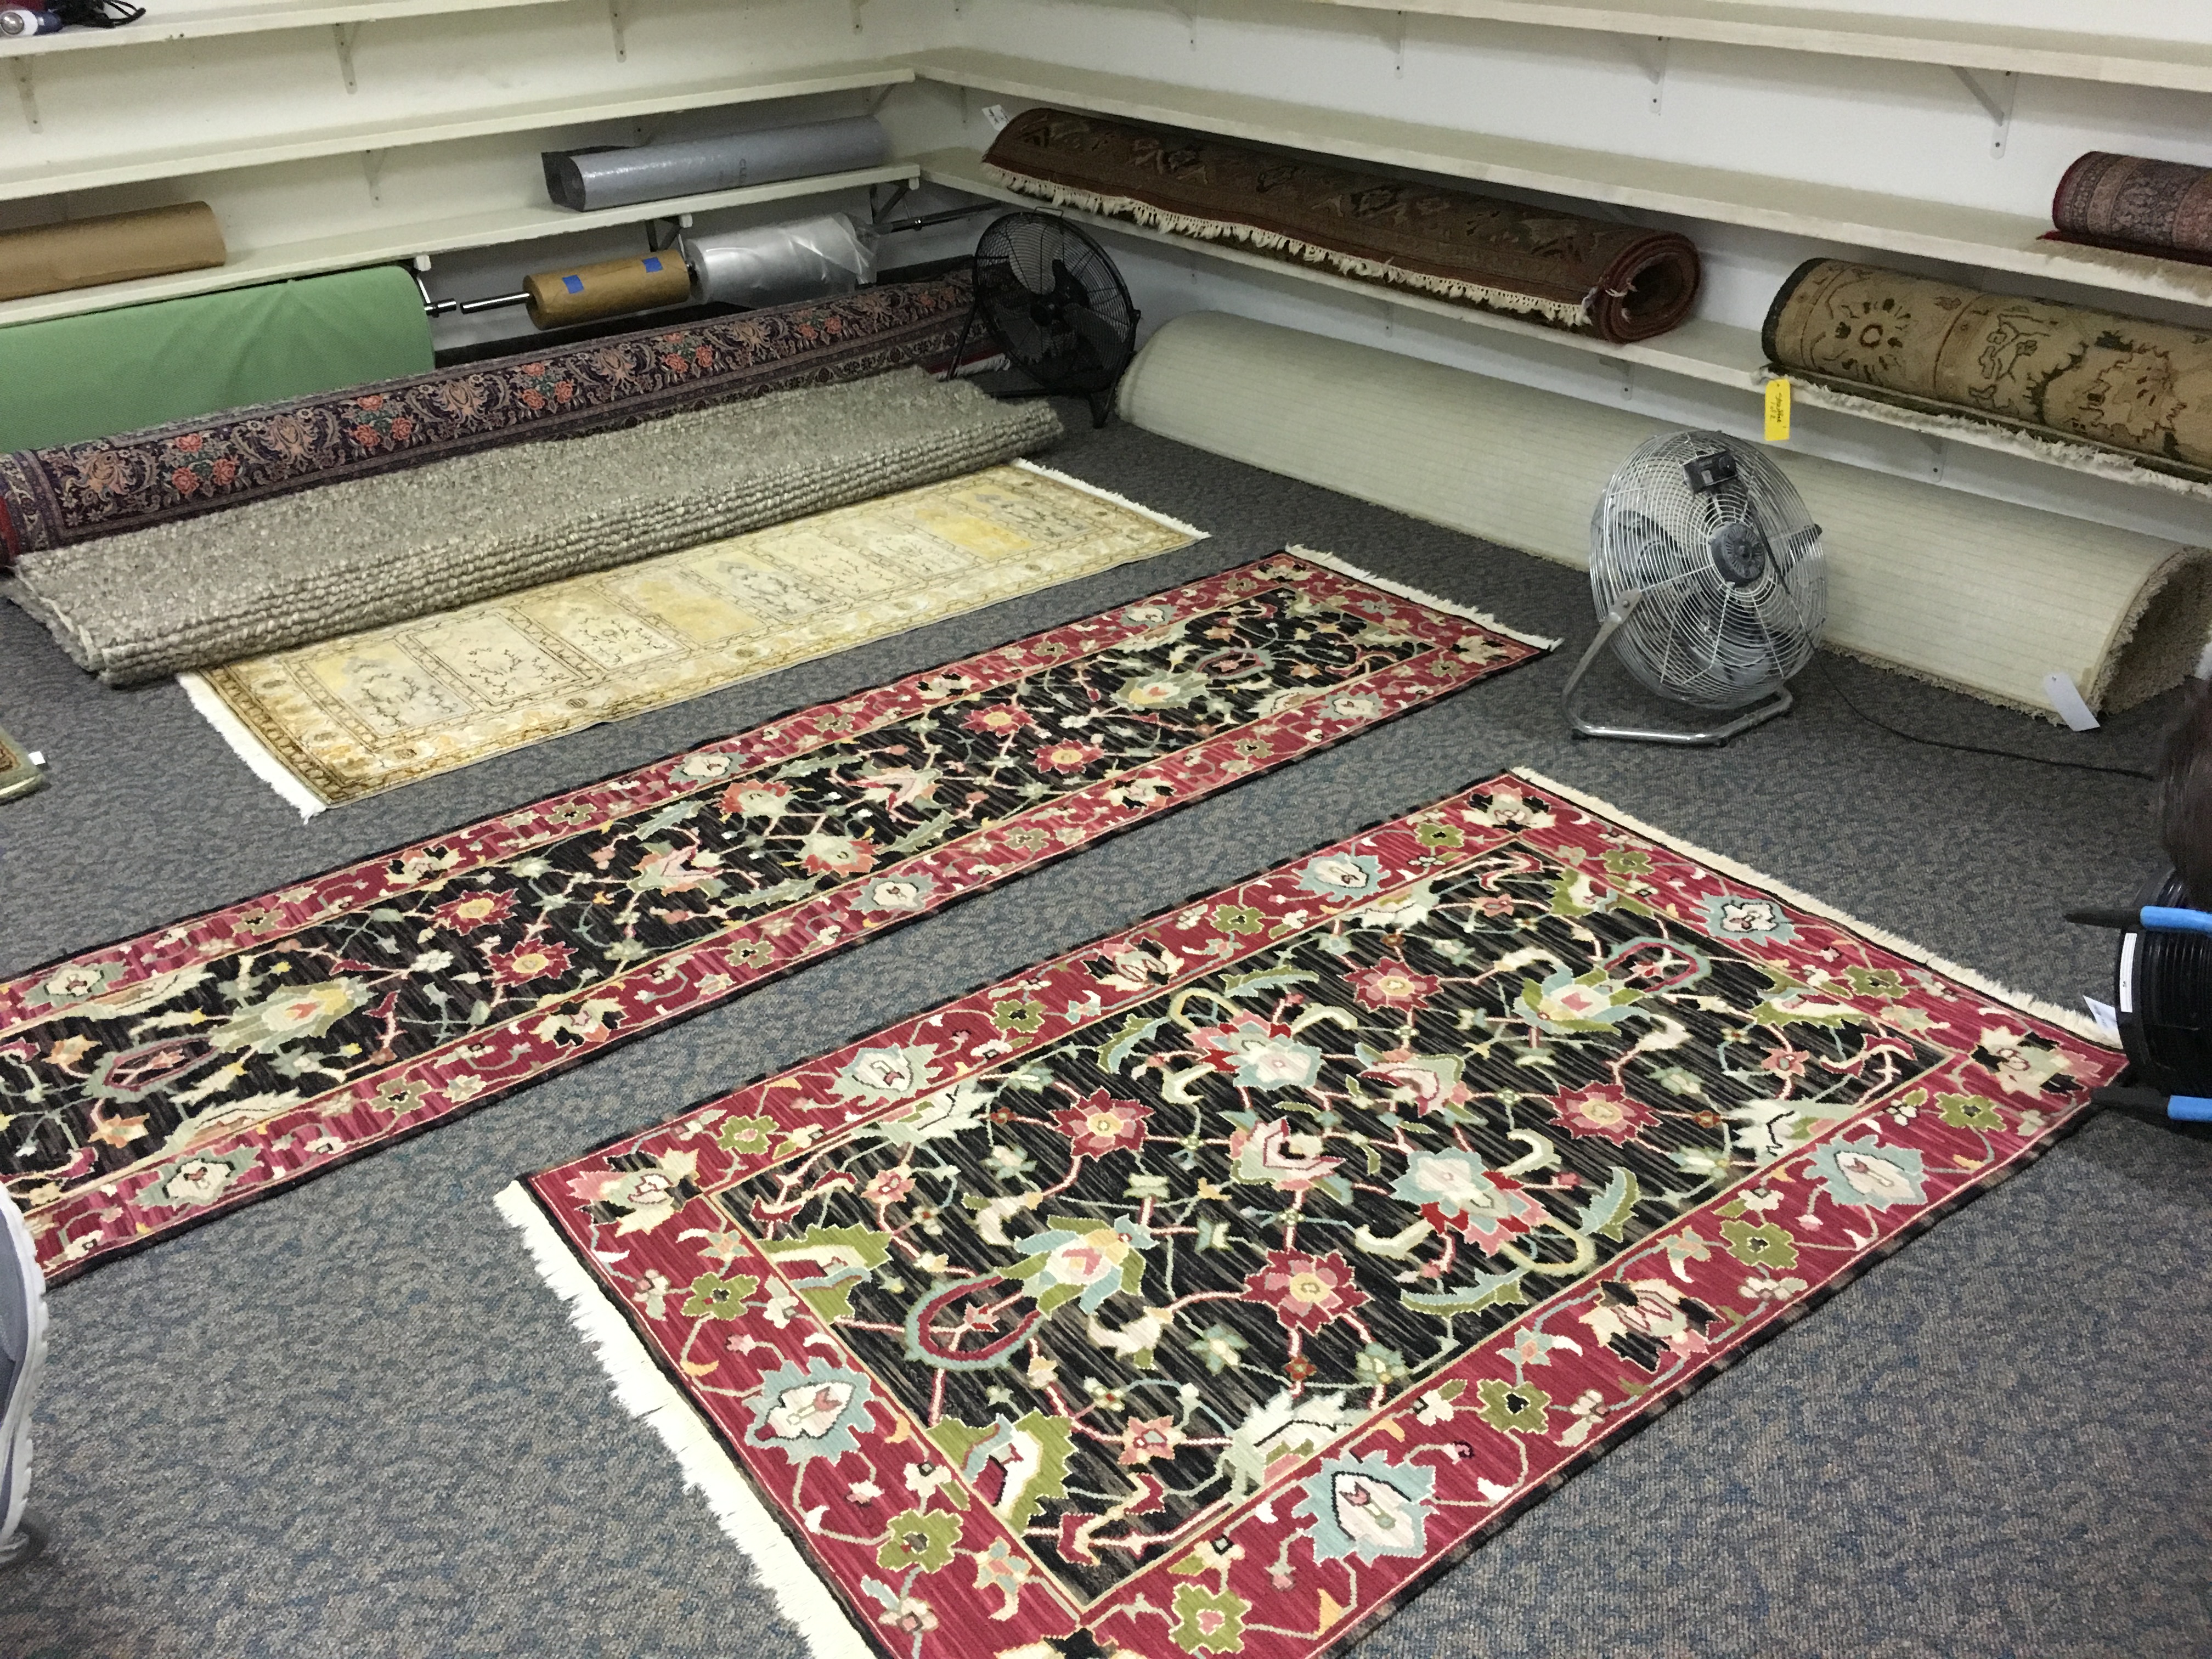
(70, 379)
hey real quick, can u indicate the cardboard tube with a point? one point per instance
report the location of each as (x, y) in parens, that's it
(582, 293)
(113, 248)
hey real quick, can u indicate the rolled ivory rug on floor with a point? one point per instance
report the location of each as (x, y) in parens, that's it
(1620, 281)
(51, 497)
(162, 1080)
(115, 248)
(2137, 204)
(375, 550)
(1977, 594)
(351, 716)
(1203, 1291)
(588, 179)
(2036, 366)
(68, 379)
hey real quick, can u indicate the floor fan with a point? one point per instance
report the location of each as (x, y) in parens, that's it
(1707, 574)
(1050, 297)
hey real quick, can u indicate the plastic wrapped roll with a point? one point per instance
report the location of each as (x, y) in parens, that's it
(583, 293)
(775, 264)
(113, 248)
(587, 179)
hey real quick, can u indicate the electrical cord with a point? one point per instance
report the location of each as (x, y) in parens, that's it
(1836, 686)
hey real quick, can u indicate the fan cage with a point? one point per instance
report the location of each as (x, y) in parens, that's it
(1053, 299)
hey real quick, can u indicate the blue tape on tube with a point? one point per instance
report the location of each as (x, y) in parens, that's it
(2169, 918)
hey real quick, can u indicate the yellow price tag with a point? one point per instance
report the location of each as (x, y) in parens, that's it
(1777, 410)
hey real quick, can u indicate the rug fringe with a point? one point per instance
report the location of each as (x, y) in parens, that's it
(2079, 1025)
(1138, 507)
(1419, 595)
(642, 1389)
(264, 765)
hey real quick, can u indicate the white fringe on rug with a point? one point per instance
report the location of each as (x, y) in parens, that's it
(643, 1390)
(1121, 502)
(2079, 1025)
(247, 747)
(1419, 595)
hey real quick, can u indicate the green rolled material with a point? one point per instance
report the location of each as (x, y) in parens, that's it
(70, 379)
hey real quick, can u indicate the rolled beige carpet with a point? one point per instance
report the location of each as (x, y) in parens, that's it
(1980, 595)
(2041, 367)
(115, 247)
(281, 573)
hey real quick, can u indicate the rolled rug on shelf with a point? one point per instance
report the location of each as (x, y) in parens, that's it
(774, 265)
(375, 550)
(72, 378)
(1983, 596)
(589, 180)
(56, 496)
(2137, 204)
(2053, 371)
(583, 294)
(115, 248)
(1621, 282)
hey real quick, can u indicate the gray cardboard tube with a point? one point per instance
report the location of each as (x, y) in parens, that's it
(587, 179)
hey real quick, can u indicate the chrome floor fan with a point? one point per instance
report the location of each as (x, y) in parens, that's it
(1707, 574)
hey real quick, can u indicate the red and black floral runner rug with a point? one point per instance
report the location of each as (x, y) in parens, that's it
(1200, 1291)
(155, 1082)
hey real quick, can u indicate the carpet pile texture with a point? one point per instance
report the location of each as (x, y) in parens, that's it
(283, 573)
(2135, 204)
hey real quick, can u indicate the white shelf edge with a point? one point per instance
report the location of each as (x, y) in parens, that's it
(258, 20)
(1731, 357)
(2058, 54)
(382, 245)
(522, 118)
(1866, 219)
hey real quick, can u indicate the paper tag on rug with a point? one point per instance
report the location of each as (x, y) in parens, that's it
(2107, 1017)
(997, 116)
(2066, 697)
(1777, 410)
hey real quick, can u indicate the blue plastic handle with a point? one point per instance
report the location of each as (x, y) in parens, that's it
(2189, 1108)
(2168, 919)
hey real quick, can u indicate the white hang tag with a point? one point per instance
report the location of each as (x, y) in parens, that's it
(37, 757)
(997, 116)
(2066, 697)
(2107, 1017)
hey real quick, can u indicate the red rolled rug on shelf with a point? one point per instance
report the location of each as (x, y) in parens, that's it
(2135, 205)
(1620, 282)
(77, 492)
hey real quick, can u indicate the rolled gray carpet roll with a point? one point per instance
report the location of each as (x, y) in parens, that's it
(587, 179)
(776, 265)
(201, 592)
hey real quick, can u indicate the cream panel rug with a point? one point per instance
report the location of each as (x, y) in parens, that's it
(350, 717)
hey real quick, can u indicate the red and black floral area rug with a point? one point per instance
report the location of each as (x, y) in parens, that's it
(154, 1082)
(1200, 1291)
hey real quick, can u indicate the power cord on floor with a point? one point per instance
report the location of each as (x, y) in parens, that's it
(1836, 686)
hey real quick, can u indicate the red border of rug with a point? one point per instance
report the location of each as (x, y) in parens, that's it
(1485, 1474)
(93, 1223)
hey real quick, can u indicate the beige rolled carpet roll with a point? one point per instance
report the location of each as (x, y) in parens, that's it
(115, 248)
(2058, 371)
(1983, 596)
(582, 293)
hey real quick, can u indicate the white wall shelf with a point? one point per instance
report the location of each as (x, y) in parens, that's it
(2060, 54)
(1974, 237)
(383, 243)
(19, 183)
(153, 29)
(1707, 351)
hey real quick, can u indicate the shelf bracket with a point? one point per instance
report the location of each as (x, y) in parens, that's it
(1995, 98)
(1187, 11)
(1937, 456)
(1651, 56)
(372, 170)
(620, 25)
(857, 4)
(876, 215)
(342, 34)
(26, 88)
(876, 98)
(1623, 374)
(1398, 45)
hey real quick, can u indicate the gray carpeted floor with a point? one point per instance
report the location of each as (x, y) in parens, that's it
(351, 1421)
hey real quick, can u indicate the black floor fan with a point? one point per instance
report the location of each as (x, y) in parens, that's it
(1051, 297)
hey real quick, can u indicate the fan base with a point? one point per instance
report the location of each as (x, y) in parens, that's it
(1759, 714)
(1007, 384)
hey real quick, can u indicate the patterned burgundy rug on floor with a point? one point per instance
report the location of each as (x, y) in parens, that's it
(158, 1081)
(1204, 1290)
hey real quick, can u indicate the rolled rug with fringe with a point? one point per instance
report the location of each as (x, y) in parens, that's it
(2137, 204)
(115, 248)
(2056, 371)
(1620, 282)
(53, 497)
